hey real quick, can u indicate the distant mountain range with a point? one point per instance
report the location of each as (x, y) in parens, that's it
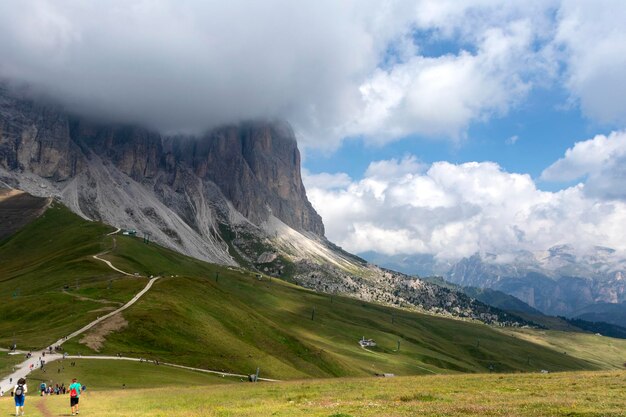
(560, 281)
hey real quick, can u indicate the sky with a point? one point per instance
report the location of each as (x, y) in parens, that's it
(442, 127)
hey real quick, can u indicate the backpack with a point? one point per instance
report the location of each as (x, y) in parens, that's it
(19, 390)
(73, 393)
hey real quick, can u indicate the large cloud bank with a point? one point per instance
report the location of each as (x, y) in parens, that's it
(453, 211)
(332, 68)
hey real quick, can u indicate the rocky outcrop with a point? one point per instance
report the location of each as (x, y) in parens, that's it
(255, 165)
(176, 188)
(35, 138)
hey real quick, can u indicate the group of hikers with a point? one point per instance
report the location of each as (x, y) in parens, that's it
(52, 390)
(20, 390)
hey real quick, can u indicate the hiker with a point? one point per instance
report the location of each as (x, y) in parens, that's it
(42, 388)
(19, 394)
(74, 388)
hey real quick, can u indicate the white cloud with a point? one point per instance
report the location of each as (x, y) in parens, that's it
(186, 65)
(331, 68)
(326, 181)
(593, 36)
(512, 140)
(395, 168)
(441, 96)
(453, 211)
(601, 160)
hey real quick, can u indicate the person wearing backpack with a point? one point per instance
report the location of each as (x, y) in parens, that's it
(19, 394)
(74, 389)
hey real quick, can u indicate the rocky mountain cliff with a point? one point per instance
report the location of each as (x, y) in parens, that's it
(232, 196)
(176, 188)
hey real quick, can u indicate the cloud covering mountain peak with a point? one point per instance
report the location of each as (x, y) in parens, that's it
(333, 69)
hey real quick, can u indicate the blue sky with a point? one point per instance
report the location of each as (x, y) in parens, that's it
(545, 126)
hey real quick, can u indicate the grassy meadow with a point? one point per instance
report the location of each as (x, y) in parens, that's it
(49, 283)
(7, 362)
(605, 352)
(561, 394)
(239, 323)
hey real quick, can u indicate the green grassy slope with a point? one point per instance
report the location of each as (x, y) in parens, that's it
(605, 352)
(222, 318)
(101, 374)
(7, 362)
(212, 317)
(47, 277)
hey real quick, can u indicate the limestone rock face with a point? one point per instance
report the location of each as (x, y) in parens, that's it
(36, 138)
(120, 174)
(256, 165)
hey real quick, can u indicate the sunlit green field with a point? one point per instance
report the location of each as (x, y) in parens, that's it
(606, 352)
(562, 394)
(100, 374)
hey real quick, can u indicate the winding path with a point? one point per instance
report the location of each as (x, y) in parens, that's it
(111, 265)
(112, 313)
(23, 369)
(109, 262)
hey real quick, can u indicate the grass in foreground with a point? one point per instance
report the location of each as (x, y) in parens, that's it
(564, 394)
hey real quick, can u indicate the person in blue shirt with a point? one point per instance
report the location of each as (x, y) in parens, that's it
(74, 389)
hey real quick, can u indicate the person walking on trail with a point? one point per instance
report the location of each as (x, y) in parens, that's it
(74, 389)
(19, 394)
